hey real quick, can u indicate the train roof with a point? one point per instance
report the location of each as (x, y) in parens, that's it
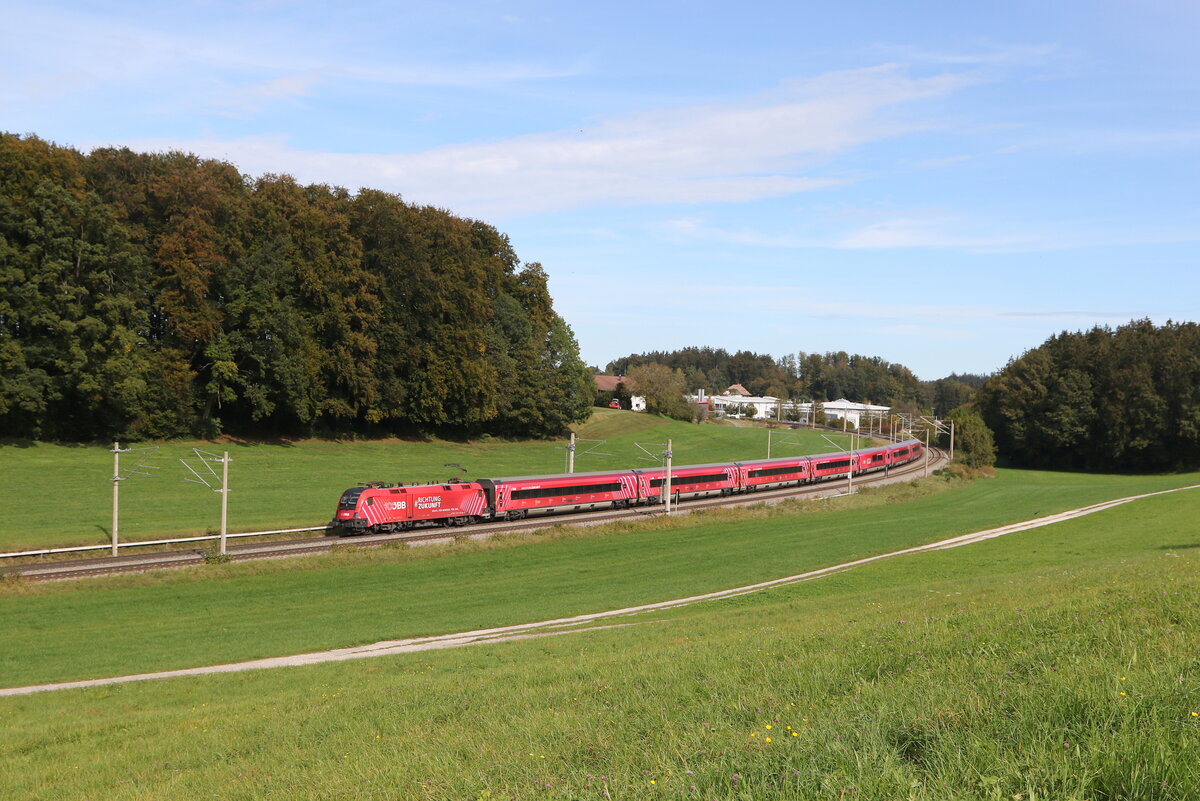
(384, 485)
(627, 470)
(675, 467)
(562, 475)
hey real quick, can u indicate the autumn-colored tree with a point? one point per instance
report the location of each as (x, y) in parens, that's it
(165, 295)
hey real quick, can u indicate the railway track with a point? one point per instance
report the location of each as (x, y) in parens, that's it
(98, 566)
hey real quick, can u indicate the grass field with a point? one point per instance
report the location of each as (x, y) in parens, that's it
(58, 495)
(176, 619)
(1060, 663)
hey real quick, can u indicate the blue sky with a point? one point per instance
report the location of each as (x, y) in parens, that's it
(943, 184)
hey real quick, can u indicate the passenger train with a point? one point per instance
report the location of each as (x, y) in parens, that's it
(380, 507)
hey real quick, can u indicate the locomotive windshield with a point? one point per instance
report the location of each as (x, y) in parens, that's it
(350, 498)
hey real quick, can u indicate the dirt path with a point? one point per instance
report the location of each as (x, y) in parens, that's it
(568, 625)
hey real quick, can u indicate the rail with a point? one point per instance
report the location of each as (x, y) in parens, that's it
(140, 543)
(178, 540)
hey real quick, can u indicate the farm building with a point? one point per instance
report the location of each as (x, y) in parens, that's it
(609, 383)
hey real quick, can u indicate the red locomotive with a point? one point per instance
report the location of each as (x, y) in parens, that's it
(379, 507)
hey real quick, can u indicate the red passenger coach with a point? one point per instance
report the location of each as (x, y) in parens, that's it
(518, 497)
(769, 473)
(906, 452)
(693, 481)
(380, 508)
(872, 459)
(833, 465)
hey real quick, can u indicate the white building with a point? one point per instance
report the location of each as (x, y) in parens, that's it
(608, 383)
(760, 407)
(860, 414)
(767, 407)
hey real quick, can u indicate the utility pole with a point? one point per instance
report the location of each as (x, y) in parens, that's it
(928, 450)
(116, 482)
(571, 454)
(205, 459)
(117, 478)
(667, 479)
(850, 475)
(938, 426)
(224, 498)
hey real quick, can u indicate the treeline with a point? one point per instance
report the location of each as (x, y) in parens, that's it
(1123, 400)
(162, 295)
(802, 375)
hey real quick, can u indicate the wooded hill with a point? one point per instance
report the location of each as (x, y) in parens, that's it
(802, 375)
(1114, 400)
(161, 295)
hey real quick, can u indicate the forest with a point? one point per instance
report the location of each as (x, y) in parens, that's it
(158, 295)
(829, 376)
(1115, 400)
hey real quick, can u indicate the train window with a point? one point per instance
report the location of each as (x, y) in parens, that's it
(833, 465)
(350, 498)
(686, 480)
(371, 501)
(776, 471)
(558, 492)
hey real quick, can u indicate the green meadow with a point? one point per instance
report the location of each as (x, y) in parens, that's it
(61, 495)
(1058, 663)
(221, 613)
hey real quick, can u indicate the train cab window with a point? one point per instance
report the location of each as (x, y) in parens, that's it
(371, 500)
(350, 498)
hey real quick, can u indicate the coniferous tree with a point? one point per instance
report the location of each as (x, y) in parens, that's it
(1123, 399)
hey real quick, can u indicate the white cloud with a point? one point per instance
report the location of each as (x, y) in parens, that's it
(719, 152)
(981, 55)
(927, 232)
(1101, 140)
(254, 98)
(944, 161)
(1013, 236)
(227, 62)
(803, 303)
